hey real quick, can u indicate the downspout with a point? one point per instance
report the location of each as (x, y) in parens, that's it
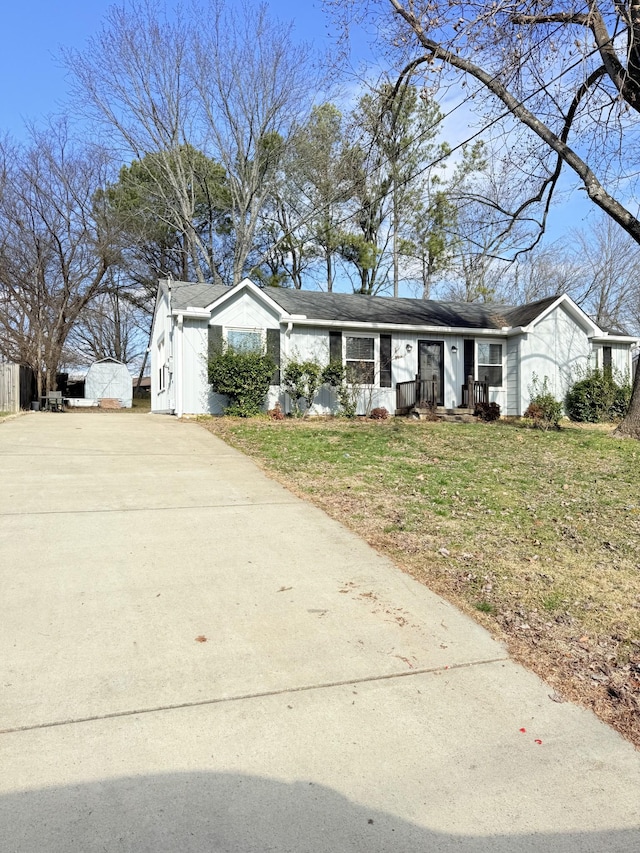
(177, 368)
(287, 337)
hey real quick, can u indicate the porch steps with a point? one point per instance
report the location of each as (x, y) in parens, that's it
(460, 415)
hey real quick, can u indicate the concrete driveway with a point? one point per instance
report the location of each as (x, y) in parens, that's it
(192, 659)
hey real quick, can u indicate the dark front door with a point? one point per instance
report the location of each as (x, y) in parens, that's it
(431, 365)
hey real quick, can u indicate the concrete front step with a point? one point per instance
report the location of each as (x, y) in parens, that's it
(442, 414)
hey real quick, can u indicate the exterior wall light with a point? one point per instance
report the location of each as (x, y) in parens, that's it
(454, 349)
(409, 347)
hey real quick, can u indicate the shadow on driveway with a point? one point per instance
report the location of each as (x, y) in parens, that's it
(229, 813)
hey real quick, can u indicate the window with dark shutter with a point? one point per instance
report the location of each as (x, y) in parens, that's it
(273, 350)
(385, 361)
(469, 360)
(214, 341)
(335, 346)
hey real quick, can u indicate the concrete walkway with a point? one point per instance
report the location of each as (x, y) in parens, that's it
(194, 660)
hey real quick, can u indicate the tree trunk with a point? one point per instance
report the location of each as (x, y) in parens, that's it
(396, 259)
(630, 426)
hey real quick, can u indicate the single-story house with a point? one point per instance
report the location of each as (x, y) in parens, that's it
(386, 341)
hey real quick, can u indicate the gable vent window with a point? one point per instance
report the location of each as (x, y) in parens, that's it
(360, 359)
(244, 340)
(490, 364)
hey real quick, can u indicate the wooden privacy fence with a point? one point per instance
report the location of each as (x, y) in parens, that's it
(17, 387)
(9, 387)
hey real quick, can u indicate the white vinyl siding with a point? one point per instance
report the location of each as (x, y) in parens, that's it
(556, 347)
(513, 377)
(616, 354)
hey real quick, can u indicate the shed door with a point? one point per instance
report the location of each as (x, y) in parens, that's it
(431, 364)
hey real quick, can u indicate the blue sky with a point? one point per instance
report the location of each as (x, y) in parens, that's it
(32, 82)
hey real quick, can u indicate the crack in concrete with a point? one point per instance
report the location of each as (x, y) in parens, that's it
(305, 688)
(146, 508)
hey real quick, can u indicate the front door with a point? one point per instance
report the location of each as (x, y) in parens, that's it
(431, 365)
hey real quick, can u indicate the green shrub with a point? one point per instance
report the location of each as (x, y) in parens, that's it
(243, 377)
(598, 396)
(301, 380)
(621, 401)
(544, 411)
(347, 394)
(333, 374)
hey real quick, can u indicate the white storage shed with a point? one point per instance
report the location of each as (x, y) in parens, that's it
(109, 379)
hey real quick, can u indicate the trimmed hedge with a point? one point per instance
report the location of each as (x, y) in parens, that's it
(598, 397)
(243, 377)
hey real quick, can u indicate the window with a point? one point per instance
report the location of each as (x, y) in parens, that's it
(162, 370)
(490, 364)
(244, 340)
(606, 360)
(360, 359)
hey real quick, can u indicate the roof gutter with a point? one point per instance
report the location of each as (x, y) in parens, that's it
(394, 327)
(614, 339)
(191, 313)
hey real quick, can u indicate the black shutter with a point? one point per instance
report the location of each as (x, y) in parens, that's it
(385, 361)
(469, 360)
(214, 341)
(273, 350)
(335, 346)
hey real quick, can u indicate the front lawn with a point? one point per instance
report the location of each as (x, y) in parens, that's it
(536, 534)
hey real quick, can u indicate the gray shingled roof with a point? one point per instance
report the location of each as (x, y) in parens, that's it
(187, 295)
(374, 309)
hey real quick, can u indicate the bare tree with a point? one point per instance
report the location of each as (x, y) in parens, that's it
(225, 80)
(256, 85)
(488, 241)
(54, 254)
(610, 282)
(568, 72)
(113, 325)
(133, 80)
(310, 202)
(599, 267)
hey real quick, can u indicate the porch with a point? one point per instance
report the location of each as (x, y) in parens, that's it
(424, 394)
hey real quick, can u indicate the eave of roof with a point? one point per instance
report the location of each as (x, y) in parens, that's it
(309, 308)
